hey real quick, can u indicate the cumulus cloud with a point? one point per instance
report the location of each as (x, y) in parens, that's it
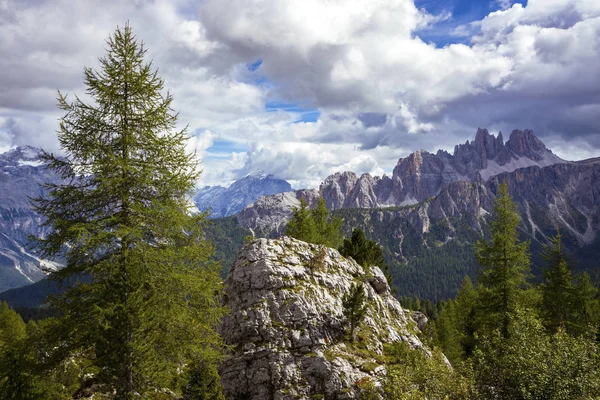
(381, 91)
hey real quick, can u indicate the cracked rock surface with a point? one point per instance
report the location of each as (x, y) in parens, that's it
(286, 328)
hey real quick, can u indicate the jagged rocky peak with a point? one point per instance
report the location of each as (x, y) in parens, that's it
(526, 144)
(286, 328)
(474, 155)
(22, 156)
(423, 175)
(337, 187)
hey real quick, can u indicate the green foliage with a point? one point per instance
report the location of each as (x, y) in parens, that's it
(558, 294)
(533, 364)
(456, 324)
(355, 307)
(12, 327)
(228, 238)
(14, 383)
(418, 267)
(414, 375)
(415, 304)
(505, 265)
(302, 226)
(205, 382)
(315, 226)
(142, 296)
(586, 306)
(365, 252)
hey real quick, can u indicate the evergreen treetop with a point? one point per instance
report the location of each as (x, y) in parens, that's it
(355, 308)
(504, 262)
(315, 225)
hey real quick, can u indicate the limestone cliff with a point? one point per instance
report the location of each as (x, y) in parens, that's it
(286, 326)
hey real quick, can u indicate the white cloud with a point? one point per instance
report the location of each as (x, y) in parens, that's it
(381, 90)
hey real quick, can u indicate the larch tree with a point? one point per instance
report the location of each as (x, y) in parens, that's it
(505, 266)
(141, 301)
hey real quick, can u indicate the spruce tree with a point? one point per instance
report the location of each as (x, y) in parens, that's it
(557, 288)
(355, 308)
(302, 226)
(315, 226)
(505, 265)
(141, 302)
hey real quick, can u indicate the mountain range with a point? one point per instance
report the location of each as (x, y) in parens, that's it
(430, 212)
(426, 215)
(416, 178)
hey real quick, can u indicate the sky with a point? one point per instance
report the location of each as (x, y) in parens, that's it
(302, 89)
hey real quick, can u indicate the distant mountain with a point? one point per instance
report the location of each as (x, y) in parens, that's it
(416, 178)
(422, 174)
(428, 215)
(223, 202)
(21, 175)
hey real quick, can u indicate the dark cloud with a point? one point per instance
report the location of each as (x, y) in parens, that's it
(381, 91)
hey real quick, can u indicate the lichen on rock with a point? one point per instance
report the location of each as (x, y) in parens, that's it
(286, 328)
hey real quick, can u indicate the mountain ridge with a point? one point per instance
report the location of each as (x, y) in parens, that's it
(223, 202)
(22, 175)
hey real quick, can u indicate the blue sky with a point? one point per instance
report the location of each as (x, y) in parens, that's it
(462, 12)
(304, 89)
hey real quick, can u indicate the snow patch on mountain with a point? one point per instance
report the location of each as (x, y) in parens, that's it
(31, 163)
(223, 202)
(493, 168)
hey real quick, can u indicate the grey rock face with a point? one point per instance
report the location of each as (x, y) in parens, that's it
(270, 214)
(286, 325)
(422, 175)
(223, 202)
(21, 177)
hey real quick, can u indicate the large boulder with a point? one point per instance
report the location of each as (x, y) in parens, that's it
(286, 327)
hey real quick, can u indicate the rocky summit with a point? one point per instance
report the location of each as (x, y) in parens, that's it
(422, 174)
(286, 329)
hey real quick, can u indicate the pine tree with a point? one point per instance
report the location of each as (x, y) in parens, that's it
(365, 252)
(141, 297)
(505, 265)
(355, 308)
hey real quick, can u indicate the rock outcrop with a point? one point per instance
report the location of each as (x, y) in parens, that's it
(270, 214)
(286, 327)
